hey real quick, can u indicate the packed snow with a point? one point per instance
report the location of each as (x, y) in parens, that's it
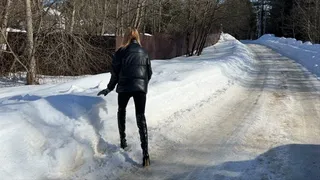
(305, 53)
(62, 131)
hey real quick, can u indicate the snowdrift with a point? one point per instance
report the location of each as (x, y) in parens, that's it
(305, 53)
(64, 131)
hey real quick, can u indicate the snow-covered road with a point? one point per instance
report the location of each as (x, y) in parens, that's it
(265, 127)
(235, 112)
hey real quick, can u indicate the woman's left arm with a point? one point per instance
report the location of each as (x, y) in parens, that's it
(116, 67)
(149, 69)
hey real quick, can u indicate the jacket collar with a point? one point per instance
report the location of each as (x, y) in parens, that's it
(134, 41)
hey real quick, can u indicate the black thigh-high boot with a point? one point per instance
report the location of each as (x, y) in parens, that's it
(143, 131)
(122, 128)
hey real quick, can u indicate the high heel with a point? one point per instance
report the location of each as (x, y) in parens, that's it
(146, 160)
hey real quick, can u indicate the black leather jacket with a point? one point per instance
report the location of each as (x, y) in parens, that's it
(131, 69)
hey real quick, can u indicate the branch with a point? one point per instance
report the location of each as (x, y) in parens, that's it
(15, 56)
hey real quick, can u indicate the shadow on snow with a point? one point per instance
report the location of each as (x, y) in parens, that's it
(287, 162)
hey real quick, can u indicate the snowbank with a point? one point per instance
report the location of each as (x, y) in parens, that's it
(19, 79)
(307, 54)
(64, 131)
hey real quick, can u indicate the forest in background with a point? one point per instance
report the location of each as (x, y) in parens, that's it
(298, 19)
(69, 23)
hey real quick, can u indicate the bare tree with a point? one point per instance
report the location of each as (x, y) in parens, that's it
(73, 14)
(4, 23)
(31, 74)
(104, 18)
(308, 19)
(138, 16)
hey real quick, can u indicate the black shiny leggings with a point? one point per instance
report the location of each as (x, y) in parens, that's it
(140, 103)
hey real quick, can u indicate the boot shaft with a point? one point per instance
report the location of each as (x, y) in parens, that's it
(143, 131)
(122, 128)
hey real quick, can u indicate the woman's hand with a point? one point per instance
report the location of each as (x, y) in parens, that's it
(104, 92)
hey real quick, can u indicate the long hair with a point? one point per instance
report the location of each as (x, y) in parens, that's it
(130, 34)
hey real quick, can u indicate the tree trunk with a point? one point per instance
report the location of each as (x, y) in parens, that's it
(144, 17)
(122, 20)
(73, 14)
(117, 18)
(136, 20)
(160, 14)
(261, 19)
(105, 6)
(201, 39)
(4, 24)
(187, 43)
(293, 30)
(206, 27)
(129, 22)
(317, 21)
(264, 19)
(31, 74)
(195, 41)
(188, 33)
(202, 44)
(141, 13)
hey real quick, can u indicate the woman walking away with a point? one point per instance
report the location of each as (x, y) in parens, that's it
(131, 70)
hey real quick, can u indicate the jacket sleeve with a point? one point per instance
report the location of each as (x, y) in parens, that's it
(115, 71)
(149, 69)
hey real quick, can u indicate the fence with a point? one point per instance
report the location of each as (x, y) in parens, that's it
(163, 46)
